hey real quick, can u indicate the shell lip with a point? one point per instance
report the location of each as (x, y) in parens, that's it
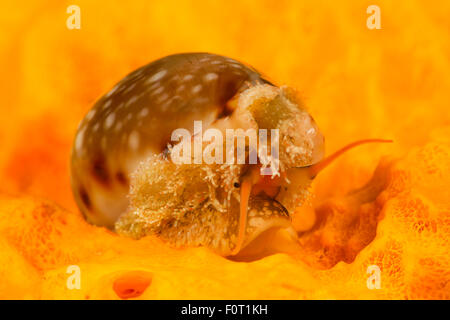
(263, 225)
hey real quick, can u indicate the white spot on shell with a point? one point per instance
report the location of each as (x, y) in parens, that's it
(158, 91)
(112, 90)
(132, 100)
(80, 125)
(154, 86)
(211, 76)
(110, 120)
(139, 73)
(231, 60)
(90, 114)
(133, 140)
(144, 112)
(197, 89)
(187, 77)
(157, 76)
(181, 88)
(130, 87)
(140, 95)
(107, 104)
(79, 141)
(166, 105)
(95, 127)
(163, 97)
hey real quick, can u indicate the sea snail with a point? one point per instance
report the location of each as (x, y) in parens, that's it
(122, 172)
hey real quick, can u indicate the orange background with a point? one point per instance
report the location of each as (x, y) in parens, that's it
(357, 83)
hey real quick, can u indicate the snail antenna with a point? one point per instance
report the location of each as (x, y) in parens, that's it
(246, 189)
(319, 166)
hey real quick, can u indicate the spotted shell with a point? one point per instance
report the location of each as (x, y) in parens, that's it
(136, 118)
(122, 179)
